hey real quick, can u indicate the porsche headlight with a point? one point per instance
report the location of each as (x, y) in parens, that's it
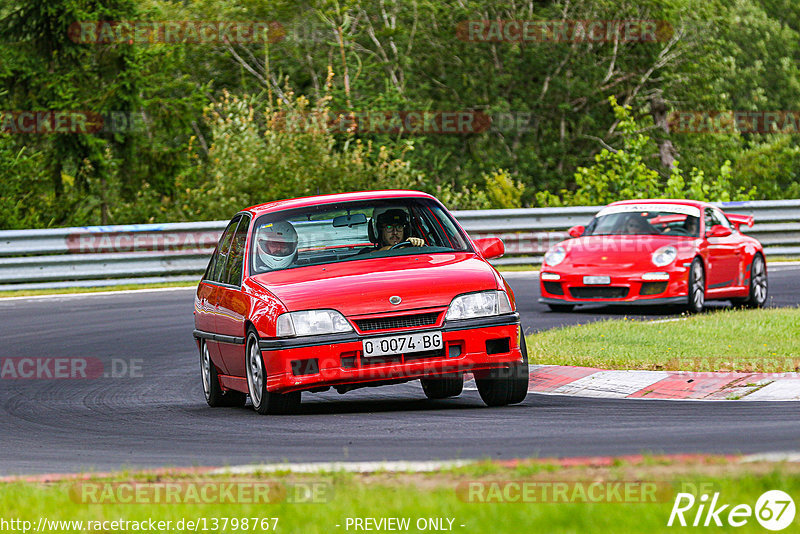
(481, 304)
(311, 323)
(555, 255)
(664, 256)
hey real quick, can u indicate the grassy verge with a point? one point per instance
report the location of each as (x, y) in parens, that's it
(730, 340)
(100, 289)
(517, 268)
(451, 495)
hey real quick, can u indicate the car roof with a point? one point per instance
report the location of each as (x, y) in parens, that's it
(302, 202)
(695, 203)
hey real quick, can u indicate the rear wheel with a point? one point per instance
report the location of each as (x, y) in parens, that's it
(565, 308)
(758, 284)
(265, 402)
(215, 396)
(697, 287)
(444, 387)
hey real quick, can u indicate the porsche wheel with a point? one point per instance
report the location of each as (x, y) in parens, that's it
(215, 396)
(265, 402)
(444, 387)
(697, 287)
(758, 284)
(561, 307)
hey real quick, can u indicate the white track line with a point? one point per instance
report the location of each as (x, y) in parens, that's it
(349, 467)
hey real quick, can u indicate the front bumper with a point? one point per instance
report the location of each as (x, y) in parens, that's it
(624, 288)
(321, 361)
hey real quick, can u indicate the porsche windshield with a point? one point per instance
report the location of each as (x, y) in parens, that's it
(330, 233)
(670, 220)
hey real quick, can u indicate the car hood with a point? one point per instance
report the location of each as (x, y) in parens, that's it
(362, 287)
(620, 250)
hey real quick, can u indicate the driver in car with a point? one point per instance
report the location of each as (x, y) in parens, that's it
(393, 228)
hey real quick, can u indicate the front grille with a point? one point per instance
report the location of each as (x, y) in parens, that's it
(397, 321)
(598, 292)
(554, 288)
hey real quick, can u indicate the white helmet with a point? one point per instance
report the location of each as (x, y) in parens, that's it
(276, 244)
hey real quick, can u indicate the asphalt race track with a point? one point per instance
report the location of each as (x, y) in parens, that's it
(158, 417)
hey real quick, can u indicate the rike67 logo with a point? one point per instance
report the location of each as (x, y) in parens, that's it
(774, 510)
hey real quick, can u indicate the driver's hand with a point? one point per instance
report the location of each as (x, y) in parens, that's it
(416, 241)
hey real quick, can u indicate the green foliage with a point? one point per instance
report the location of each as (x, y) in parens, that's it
(622, 174)
(261, 154)
(565, 144)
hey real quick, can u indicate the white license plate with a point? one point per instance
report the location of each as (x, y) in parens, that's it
(402, 344)
(596, 280)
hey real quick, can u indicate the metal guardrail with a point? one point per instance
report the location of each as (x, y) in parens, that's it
(143, 253)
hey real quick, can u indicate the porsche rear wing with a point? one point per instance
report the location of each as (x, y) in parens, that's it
(739, 220)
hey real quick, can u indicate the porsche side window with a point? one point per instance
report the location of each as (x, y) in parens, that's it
(222, 250)
(233, 272)
(711, 219)
(723, 220)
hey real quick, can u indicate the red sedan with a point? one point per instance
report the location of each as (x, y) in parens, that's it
(354, 290)
(665, 252)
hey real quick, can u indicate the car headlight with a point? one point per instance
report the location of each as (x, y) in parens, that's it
(311, 323)
(664, 256)
(555, 255)
(481, 304)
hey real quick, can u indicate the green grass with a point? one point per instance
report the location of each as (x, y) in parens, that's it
(517, 268)
(731, 340)
(69, 290)
(441, 495)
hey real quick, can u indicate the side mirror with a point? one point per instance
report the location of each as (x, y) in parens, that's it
(576, 231)
(719, 231)
(490, 247)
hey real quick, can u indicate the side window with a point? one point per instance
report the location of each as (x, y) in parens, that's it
(233, 274)
(710, 219)
(722, 219)
(222, 250)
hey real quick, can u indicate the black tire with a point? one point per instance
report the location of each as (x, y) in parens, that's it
(563, 308)
(215, 395)
(520, 376)
(441, 388)
(265, 402)
(758, 284)
(501, 387)
(696, 298)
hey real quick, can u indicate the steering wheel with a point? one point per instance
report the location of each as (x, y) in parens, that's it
(401, 244)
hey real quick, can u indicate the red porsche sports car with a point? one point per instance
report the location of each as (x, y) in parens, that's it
(678, 252)
(353, 290)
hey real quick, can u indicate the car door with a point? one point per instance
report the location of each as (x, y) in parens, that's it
(214, 274)
(232, 304)
(723, 259)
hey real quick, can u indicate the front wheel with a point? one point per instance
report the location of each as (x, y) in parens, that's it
(265, 402)
(215, 395)
(696, 299)
(500, 387)
(444, 387)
